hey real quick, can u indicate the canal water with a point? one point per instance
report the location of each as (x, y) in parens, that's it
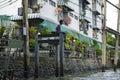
(108, 75)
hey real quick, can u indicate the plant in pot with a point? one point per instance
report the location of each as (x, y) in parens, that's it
(32, 32)
(2, 30)
(15, 31)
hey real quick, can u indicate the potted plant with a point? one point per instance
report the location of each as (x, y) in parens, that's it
(2, 29)
(32, 32)
(15, 30)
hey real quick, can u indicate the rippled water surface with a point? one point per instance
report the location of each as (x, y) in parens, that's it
(108, 75)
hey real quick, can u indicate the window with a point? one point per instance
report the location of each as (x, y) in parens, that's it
(84, 26)
(76, 17)
(71, 14)
(52, 3)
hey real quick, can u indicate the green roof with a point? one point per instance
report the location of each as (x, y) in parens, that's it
(4, 17)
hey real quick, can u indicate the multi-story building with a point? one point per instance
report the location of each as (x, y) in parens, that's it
(83, 17)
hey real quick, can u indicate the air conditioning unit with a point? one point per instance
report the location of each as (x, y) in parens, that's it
(20, 11)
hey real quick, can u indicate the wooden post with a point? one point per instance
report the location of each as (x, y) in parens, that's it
(36, 57)
(61, 43)
(57, 55)
(26, 37)
(104, 40)
(117, 41)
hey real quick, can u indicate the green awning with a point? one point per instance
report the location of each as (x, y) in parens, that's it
(52, 27)
(48, 25)
(100, 44)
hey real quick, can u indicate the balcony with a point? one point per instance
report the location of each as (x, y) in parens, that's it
(96, 28)
(86, 1)
(86, 19)
(95, 11)
(66, 7)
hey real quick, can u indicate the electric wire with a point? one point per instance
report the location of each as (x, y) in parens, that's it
(10, 3)
(2, 1)
(5, 2)
(113, 4)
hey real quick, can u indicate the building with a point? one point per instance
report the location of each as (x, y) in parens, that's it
(82, 17)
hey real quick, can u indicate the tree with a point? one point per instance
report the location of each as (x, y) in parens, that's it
(96, 47)
(110, 39)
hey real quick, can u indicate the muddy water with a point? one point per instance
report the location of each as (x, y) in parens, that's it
(108, 75)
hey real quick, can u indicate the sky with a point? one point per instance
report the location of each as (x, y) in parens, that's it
(112, 15)
(111, 12)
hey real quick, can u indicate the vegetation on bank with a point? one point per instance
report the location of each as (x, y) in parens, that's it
(80, 46)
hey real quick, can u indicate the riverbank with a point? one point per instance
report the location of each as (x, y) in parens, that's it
(72, 67)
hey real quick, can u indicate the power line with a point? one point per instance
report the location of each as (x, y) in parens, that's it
(10, 3)
(5, 2)
(113, 4)
(2, 1)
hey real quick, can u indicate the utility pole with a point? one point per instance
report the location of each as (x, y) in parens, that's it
(117, 40)
(104, 39)
(26, 37)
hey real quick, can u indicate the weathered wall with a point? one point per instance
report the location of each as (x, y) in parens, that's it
(47, 66)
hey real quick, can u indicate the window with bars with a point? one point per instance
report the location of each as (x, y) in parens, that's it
(76, 17)
(71, 14)
(52, 3)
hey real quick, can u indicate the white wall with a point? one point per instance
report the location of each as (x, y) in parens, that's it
(74, 23)
(48, 10)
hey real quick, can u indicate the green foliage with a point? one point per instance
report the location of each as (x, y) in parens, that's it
(46, 31)
(32, 43)
(78, 43)
(69, 39)
(17, 26)
(85, 44)
(2, 29)
(32, 31)
(96, 47)
(112, 51)
(110, 39)
(98, 51)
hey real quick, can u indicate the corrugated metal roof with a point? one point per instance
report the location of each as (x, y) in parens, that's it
(30, 16)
